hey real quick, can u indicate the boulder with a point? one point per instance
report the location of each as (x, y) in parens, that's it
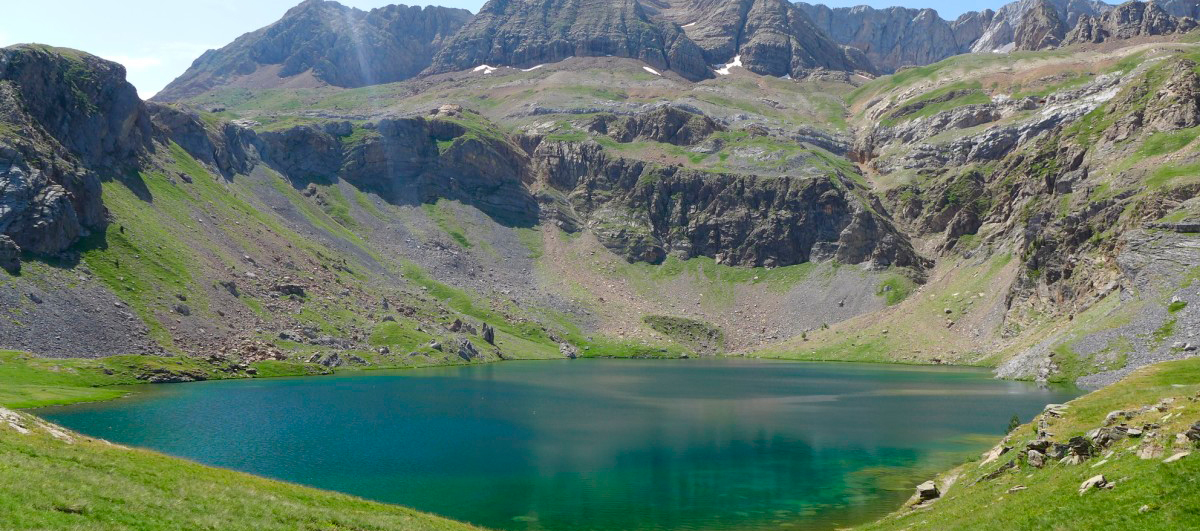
(1056, 410)
(1176, 457)
(489, 334)
(1095, 482)
(1149, 450)
(928, 491)
(332, 361)
(568, 350)
(1057, 451)
(1117, 416)
(1036, 459)
(467, 350)
(1193, 433)
(10, 255)
(1040, 445)
(230, 286)
(1101, 438)
(994, 454)
(289, 289)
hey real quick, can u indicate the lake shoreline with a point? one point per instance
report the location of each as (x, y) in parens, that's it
(218, 375)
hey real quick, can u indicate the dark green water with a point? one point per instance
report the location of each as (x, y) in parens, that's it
(592, 445)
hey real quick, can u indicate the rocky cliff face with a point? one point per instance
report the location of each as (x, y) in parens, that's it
(771, 37)
(1068, 182)
(640, 210)
(1180, 8)
(411, 161)
(1039, 28)
(897, 36)
(1000, 34)
(669, 125)
(1128, 20)
(526, 33)
(647, 212)
(67, 119)
(323, 42)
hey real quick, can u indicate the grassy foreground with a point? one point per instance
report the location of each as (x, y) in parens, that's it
(54, 479)
(1149, 494)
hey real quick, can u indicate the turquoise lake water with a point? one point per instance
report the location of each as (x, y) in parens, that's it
(591, 444)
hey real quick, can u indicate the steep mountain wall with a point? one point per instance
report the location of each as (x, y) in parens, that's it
(897, 36)
(771, 37)
(321, 42)
(526, 33)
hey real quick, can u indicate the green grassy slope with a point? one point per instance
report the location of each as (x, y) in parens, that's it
(1149, 494)
(27, 381)
(53, 479)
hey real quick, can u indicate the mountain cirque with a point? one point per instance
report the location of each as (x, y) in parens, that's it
(561, 170)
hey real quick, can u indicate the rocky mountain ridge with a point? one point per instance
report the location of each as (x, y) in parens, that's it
(319, 42)
(323, 43)
(896, 36)
(1129, 20)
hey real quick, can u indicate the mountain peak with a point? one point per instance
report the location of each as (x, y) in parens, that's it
(526, 33)
(320, 42)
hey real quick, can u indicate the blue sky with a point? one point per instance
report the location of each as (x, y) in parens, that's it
(157, 40)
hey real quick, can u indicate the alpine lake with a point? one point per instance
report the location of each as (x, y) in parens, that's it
(726, 444)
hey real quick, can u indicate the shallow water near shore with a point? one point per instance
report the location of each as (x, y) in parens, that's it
(591, 444)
